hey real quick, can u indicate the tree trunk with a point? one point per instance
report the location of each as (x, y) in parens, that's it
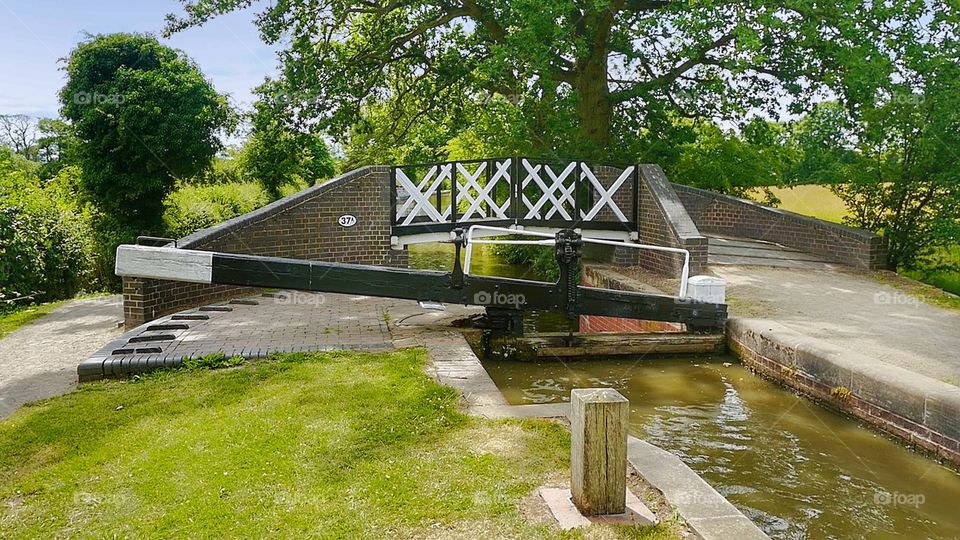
(594, 109)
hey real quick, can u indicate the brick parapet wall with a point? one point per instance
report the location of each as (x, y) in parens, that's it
(302, 226)
(715, 213)
(664, 222)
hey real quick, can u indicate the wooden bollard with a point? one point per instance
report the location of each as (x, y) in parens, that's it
(598, 463)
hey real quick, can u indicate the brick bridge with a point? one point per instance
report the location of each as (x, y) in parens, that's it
(371, 215)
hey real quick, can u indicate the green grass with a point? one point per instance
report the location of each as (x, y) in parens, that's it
(320, 445)
(946, 280)
(929, 294)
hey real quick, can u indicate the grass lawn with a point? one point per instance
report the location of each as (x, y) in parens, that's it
(809, 200)
(948, 281)
(320, 445)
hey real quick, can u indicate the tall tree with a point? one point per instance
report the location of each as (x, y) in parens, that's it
(56, 146)
(144, 115)
(277, 154)
(907, 183)
(19, 133)
(603, 59)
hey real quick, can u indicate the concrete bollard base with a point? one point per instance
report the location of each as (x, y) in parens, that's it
(560, 503)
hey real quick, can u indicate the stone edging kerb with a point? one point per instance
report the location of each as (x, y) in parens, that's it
(914, 408)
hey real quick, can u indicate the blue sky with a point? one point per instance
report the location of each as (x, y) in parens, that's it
(35, 34)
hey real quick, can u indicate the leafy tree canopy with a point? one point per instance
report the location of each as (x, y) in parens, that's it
(278, 154)
(144, 115)
(906, 183)
(593, 70)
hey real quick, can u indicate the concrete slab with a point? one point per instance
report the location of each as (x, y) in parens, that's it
(541, 410)
(854, 312)
(569, 517)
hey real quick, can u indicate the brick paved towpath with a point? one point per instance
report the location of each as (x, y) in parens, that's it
(41, 359)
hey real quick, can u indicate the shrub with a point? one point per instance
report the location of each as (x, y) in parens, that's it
(191, 208)
(45, 247)
(540, 259)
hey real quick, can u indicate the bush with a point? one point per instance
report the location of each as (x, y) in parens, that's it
(191, 208)
(540, 259)
(45, 246)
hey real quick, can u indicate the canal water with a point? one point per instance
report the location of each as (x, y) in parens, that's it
(796, 469)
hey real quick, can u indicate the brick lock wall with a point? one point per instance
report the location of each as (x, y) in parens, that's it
(302, 226)
(595, 324)
(750, 349)
(724, 215)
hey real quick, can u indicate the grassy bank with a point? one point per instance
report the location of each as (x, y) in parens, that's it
(326, 445)
(809, 200)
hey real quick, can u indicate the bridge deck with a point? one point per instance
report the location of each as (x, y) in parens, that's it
(724, 251)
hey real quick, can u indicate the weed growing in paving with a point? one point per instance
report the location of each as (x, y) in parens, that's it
(212, 361)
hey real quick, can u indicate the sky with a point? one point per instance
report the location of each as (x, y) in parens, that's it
(36, 34)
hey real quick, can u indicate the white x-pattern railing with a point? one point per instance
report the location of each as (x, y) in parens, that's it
(519, 189)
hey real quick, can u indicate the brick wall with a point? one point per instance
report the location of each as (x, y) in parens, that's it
(719, 214)
(594, 276)
(302, 226)
(915, 409)
(663, 222)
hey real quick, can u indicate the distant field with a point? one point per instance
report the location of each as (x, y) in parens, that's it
(809, 200)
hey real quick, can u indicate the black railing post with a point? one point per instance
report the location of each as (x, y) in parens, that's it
(515, 188)
(439, 189)
(488, 165)
(577, 184)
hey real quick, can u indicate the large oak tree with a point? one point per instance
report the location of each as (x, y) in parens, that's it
(603, 59)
